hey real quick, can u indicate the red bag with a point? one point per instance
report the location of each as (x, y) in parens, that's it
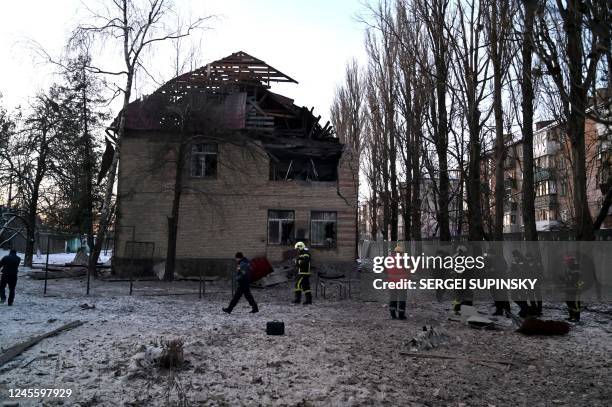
(260, 267)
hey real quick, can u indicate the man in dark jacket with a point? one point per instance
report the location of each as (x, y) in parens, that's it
(242, 276)
(10, 265)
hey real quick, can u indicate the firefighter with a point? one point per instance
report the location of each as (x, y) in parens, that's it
(302, 284)
(496, 267)
(10, 266)
(535, 271)
(462, 296)
(242, 276)
(573, 287)
(520, 269)
(397, 298)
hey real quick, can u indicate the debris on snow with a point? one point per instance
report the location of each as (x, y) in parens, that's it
(428, 339)
(534, 326)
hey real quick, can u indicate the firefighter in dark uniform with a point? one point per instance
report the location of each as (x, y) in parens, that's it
(496, 267)
(10, 267)
(397, 298)
(302, 283)
(573, 287)
(535, 271)
(462, 296)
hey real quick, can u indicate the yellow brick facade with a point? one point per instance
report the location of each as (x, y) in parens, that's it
(228, 213)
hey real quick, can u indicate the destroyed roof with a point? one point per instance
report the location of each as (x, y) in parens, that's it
(237, 68)
(235, 91)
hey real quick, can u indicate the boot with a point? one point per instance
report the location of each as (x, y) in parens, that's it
(254, 310)
(298, 297)
(393, 314)
(539, 308)
(227, 310)
(308, 299)
(457, 308)
(402, 315)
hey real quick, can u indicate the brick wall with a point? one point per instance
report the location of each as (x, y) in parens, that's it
(230, 213)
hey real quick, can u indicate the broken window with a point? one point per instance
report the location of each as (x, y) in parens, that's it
(281, 227)
(323, 228)
(204, 160)
(304, 169)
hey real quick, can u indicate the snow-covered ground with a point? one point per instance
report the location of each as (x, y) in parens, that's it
(58, 258)
(334, 353)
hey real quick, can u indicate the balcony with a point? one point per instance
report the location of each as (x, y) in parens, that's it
(510, 207)
(509, 162)
(510, 183)
(545, 147)
(546, 201)
(543, 174)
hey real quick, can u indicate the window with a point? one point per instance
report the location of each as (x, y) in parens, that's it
(323, 228)
(545, 188)
(561, 163)
(281, 227)
(563, 187)
(542, 215)
(204, 160)
(509, 219)
(304, 169)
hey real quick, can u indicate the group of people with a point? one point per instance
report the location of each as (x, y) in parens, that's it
(530, 302)
(522, 266)
(243, 278)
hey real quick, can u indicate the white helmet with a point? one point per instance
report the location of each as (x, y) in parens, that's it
(300, 246)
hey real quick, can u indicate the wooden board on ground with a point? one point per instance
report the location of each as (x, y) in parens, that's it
(456, 357)
(18, 349)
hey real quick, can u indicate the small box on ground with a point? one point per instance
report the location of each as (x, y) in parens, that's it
(275, 328)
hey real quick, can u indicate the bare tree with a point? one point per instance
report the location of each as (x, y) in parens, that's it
(347, 117)
(527, 107)
(138, 26)
(499, 30)
(434, 15)
(470, 68)
(571, 53)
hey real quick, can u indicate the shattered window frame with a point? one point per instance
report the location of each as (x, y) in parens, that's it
(323, 236)
(204, 159)
(278, 220)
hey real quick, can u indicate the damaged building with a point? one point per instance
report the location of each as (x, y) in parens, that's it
(239, 167)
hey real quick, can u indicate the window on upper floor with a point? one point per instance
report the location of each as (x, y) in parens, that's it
(204, 158)
(303, 168)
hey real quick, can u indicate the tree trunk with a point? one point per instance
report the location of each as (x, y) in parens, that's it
(496, 53)
(474, 190)
(528, 190)
(33, 204)
(106, 212)
(88, 174)
(575, 121)
(415, 203)
(407, 205)
(173, 219)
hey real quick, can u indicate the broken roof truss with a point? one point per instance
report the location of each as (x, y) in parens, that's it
(238, 68)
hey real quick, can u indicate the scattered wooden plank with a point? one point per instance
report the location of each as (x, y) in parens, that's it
(468, 359)
(18, 349)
